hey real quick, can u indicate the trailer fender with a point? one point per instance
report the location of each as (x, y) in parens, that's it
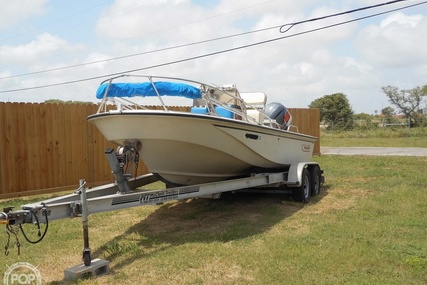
(295, 173)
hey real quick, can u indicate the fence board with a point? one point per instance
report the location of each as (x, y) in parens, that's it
(62, 142)
(49, 147)
(33, 145)
(55, 126)
(2, 136)
(10, 150)
(41, 157)
(21, 161)
(28, 142)
(4, 154)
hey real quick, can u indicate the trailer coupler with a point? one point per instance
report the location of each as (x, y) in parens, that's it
(14, 220)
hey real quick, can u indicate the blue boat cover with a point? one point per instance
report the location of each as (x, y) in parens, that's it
(146, 89)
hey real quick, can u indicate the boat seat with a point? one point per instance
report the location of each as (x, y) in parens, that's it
(223, 112)
(256, 115)
(254, 98)
(200, 110)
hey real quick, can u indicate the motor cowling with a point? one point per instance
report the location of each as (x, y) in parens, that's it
(278, 113)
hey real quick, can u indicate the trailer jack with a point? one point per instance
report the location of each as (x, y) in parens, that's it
(86, 249)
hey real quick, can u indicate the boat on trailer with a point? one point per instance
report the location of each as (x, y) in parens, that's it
(227, 141)
(225, 133)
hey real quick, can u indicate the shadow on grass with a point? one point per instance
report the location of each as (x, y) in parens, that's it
(239, 216)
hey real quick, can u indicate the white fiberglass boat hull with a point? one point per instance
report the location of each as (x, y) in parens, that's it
(185, 148)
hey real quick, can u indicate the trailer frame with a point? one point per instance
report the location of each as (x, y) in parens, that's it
(302, 180)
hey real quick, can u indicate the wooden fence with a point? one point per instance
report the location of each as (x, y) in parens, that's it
(49, 147)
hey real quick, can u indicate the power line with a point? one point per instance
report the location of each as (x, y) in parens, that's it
(137, 54)
(290, 25)
(338, 14)
(213, 53)
(147, 52)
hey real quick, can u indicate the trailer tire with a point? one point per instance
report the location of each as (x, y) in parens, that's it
(315, 180)
(303, 192)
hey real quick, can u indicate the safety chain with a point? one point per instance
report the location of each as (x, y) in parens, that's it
(14, 229)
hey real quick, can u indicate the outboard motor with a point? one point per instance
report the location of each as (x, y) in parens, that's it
(279, 114)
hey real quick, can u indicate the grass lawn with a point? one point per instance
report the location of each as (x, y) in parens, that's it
(368, 226)
(385, 137)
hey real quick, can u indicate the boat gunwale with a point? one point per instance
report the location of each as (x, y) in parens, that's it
(263, 129)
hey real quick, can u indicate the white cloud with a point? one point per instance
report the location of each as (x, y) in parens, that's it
(18, 10)
(98, 60)
(321, 57)
(42, 47)
(128, 19)
(395, 42)
(401, 19)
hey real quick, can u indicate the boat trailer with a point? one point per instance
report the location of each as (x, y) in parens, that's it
(301, 179)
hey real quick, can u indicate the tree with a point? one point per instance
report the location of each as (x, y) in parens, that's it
(407, 101)
(388, 113)
(335, 110)
(364, 121)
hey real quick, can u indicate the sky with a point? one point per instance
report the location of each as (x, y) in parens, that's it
(56, 42)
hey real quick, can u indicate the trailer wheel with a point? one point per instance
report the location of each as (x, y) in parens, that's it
(303, 192)
(316, 176)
